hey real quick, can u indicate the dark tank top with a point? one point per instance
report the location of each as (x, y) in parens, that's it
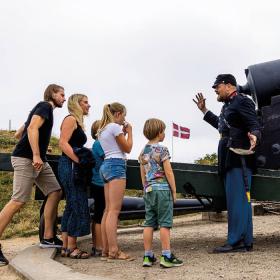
(78, 138)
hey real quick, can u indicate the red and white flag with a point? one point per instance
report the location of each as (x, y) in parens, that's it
(181, 131)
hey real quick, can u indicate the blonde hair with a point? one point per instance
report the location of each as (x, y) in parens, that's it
(108, 114)
(75, 109)
(153, 127)
(50, 90)
(94, 128)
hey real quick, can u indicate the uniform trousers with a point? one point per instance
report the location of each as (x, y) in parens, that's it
(240, 225)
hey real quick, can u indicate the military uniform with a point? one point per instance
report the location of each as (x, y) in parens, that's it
(237, 118)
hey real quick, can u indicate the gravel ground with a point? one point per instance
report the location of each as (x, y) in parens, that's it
(11, 247)
(193, 241)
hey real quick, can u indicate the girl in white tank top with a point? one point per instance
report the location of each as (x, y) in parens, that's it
(115, 137)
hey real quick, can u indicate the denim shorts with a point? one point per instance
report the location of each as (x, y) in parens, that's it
(113, 168)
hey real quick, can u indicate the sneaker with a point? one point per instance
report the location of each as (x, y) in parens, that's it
(3, 260)
(58, 241)
(149, 261)
(51, 243)
(170, 262)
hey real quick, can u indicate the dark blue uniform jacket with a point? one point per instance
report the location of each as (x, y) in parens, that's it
(237, 118)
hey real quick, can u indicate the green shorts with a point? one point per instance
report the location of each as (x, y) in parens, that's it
(159, 209)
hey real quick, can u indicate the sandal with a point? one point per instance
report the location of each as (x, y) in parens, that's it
(64, 252)
(120, 255)
(77, 253)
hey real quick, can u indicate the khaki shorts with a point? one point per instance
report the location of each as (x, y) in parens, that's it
(25, 176)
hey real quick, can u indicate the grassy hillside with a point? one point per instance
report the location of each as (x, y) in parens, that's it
(8, 142)
(27, 220)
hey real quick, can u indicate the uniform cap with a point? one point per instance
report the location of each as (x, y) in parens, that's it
(224, 79)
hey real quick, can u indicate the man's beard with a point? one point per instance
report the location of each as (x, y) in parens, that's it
(58, 105)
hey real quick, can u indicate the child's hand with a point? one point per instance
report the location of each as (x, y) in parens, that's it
(124, 129)
(127, 128)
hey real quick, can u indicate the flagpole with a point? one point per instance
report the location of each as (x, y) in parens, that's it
(172, 143)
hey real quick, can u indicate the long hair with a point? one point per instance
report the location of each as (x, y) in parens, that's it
(50, 90)
(108, 114)
(75, 109)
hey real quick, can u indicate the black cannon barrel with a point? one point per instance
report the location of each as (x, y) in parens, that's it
(134, 207)
(263, 82)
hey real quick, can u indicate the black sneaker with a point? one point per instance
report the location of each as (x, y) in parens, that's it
(3, 260)
(170, 262)
(149, 261)
(51, 243)
(58, 241)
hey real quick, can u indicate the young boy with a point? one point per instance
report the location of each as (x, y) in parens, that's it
(159, 193)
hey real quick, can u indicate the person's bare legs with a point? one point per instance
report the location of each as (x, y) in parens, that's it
(148, 238)
(50, 213)
(105, 248)
(6, 216)
(64, 236)
(73, 250)
(72, 242)
(116, 193)
(98, 237)
(165, 238)
(8, 212)
(93, 235)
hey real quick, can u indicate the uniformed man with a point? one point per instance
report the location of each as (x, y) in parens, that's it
(239, 134)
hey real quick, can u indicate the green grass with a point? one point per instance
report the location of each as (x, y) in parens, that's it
(7, 141)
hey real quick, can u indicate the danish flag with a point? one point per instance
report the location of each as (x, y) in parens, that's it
(181, 131)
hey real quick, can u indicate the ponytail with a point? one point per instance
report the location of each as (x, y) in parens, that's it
(107, 117)
(108, 114)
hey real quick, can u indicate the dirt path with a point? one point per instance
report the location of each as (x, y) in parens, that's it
(193, 243)
(11, 247)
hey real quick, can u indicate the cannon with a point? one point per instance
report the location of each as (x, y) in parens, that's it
(263, 82)
(264, 87)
